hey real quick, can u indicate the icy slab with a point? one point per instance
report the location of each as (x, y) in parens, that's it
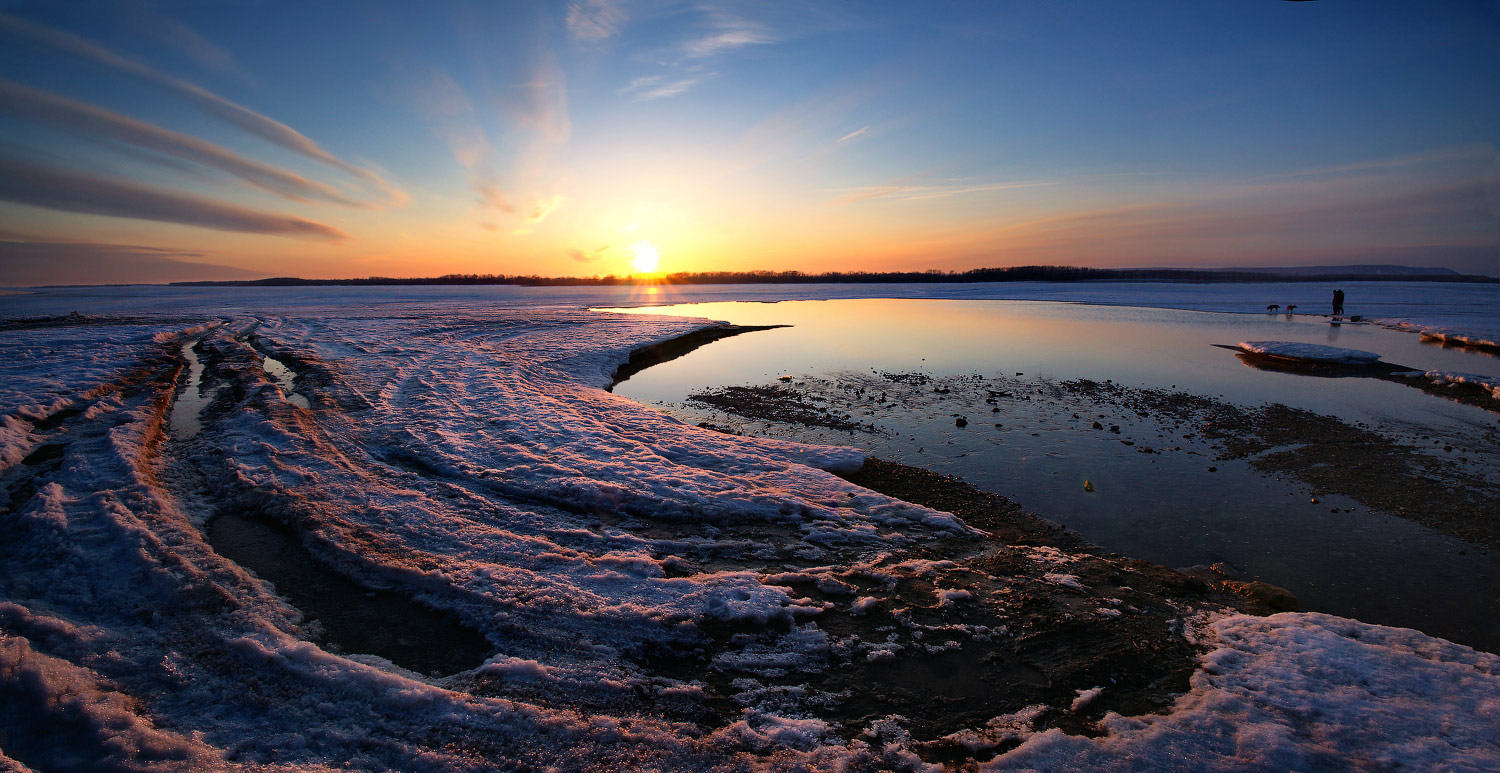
(1488, 383)
(1304, 692)
(1294, 350)
(1469, 332)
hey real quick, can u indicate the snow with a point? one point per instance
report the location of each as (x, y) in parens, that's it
(462, 450)
(1293, 350)
(1085, 697)
(1470, 332)
(1065, 580)
(1488, 383)
(1301, 692)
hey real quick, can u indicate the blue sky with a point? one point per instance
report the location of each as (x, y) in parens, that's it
(152, 141)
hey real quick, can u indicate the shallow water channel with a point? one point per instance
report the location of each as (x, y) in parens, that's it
(1182, 507)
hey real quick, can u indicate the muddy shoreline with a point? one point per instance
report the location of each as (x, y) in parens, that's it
(1331, 456)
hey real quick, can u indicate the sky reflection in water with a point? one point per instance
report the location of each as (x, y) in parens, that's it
(1167, 508)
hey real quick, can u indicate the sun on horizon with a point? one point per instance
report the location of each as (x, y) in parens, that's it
(646, 259)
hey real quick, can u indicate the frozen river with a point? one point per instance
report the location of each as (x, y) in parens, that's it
(458, 551)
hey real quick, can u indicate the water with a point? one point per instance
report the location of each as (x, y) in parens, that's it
(284, 379)
(1428, 300)
(1138, 346)
(1165, 507)
(185, 419)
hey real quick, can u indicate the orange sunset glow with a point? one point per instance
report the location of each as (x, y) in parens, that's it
(698, 386)
(554, 141)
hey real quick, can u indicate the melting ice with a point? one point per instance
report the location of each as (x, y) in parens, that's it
(473, 463)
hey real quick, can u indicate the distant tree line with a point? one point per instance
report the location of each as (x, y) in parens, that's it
(1006, 274)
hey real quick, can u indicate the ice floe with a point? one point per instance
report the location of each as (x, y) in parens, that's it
(1468, 332)
(1488, 383)
(1294, 350)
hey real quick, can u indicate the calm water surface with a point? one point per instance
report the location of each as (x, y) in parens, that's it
(1167, 508)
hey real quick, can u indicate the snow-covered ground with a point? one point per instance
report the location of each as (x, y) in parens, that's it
(463, 452)
(1460, 309)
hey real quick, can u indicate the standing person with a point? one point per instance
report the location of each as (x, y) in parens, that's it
(1338, 303)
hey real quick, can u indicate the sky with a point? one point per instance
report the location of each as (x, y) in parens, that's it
(174, 140)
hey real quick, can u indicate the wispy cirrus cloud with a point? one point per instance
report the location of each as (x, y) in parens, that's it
(544, 207)
(596, 20)
(1360, 218)
(247, 120)
(718, 32)
(730, 33)
(914, 192)
(186, 41)
(589, 256)
(41, 106)
(24, 182)
(856, 133)
(539, 115)
(657, 87)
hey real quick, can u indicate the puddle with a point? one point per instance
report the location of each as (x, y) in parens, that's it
(183, 422)
(350, 618)
(1164, 495)
(285, 379)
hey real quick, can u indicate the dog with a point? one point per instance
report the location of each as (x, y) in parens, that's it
(1273, 308)
(1290, 309)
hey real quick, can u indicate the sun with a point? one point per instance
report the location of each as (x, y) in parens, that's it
(646, 257)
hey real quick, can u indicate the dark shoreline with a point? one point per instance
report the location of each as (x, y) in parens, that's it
(1351, 273)
(672, 348)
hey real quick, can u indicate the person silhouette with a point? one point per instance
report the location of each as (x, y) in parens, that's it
(1338, 303)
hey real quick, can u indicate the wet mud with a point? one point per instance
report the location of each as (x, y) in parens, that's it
(1443, 484)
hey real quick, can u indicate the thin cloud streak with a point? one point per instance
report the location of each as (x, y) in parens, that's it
(731, 32)
(26, 262)
(590, 256)
(36, 185)
(655, 87)
(42, 106)
(268, 129)
(541, 112)
(187, 42)
(919, 192)
(595, 20)
(543, 208)
(1445, 217)
(851, 135)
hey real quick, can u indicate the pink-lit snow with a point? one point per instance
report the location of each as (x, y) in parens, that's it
(1293, 350)
(470, 457)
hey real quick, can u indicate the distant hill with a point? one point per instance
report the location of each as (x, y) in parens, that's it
(1006, 274)
(1380, 271)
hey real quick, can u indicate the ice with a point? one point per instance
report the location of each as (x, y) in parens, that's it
(1065, 580)
(1488, 383)
(1481, 331)
(1085, 697)
(464, 453)
(1310, 352)
(1301, 692)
